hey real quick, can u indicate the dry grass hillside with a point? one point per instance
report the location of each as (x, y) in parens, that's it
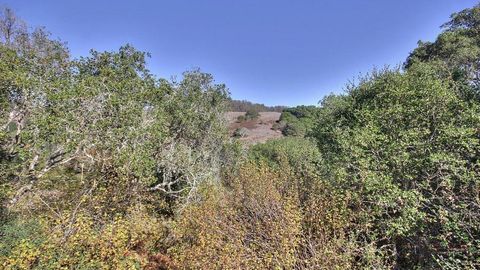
(259, 130)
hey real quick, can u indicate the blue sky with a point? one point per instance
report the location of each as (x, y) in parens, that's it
(276, 52)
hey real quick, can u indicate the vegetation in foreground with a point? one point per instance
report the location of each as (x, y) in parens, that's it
(104, 166)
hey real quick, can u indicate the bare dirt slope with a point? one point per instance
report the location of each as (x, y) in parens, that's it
(259, 130)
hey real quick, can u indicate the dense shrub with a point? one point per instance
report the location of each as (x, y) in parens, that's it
(253, 223)
(274, 213)
(299, 153)
(278, 126)
(294, 129)
(298, 121)
(241, 118)
(122, 243)
(408, 153)
(252, 114)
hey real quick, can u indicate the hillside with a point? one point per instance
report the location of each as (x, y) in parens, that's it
(259, 130)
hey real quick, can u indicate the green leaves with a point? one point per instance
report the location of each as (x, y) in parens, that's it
(298, 121)
(408, 150)
(457, 50)
(107, 115)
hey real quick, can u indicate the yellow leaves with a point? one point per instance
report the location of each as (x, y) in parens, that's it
(123, 243)
(255, 224)
(23, 256)
(260, 221)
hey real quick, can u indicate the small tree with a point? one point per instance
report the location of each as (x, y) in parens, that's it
(241, 118)
(252, 114)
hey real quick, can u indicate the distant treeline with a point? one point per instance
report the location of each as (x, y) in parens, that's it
(244, 105)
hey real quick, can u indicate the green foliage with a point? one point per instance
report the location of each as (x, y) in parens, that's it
(457, 49)
(241, 118)
(298, 121)
(408, 153)
(252, 114)
(104, 166)
(15, 232)
(122, 243)
(108, 111)
(299, 153)
(83, 142)
(294, 129)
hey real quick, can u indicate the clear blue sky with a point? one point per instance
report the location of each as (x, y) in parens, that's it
(273, 52)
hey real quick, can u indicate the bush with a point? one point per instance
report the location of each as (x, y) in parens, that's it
(266, 217)
(241, 118)
(279, 125)
(294, 129)
(252, 114)
(298, 153)
(253, 224)
(301, 119)
(408, 152)
(249, 115)
(126, 242)
(240, 132)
